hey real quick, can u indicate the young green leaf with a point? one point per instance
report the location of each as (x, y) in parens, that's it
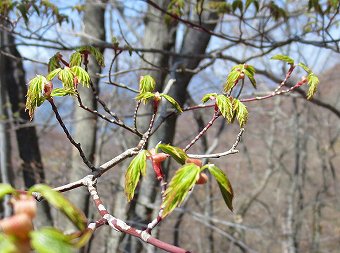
(66, 76)
(225, 106)
(208, 96)
(223, 183)
(313, 82)
(54, 62)
(7, 244)
(95, 52)
(146, 84)
(50, 240)
(179, 187)
(178, 154)
(82, 76)
(305, 67)
(241, 112)
(75, 59)
(284, 58)
(249, 71)
(35, 94)
(136, 168)
(60, 92)
(52, 74)
(57, 200)
(232, 78)
(173, 102)
(144, 97)
(6, 189)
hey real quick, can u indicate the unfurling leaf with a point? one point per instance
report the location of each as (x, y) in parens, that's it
(52, 74)
(305, 67)
(312, 79)
(35, 94)
(50, 240)
(57, 200)
(172, 101)
(178, 154)
(232, 78)
(136, 168)
(146, 84)
(61, 92)
(225, 106)
(249, 71)
(241, 112)
(75, 59)
(95, 52)
(223, 183)
(179, 187)
(144, 97)
(284, 58)
(54, 62)
(6, 189)
(208, 96)
(66, 77)
(82, 76)
(313, 82)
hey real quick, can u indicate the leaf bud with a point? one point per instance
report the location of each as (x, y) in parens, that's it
(203, 178)
(198, 162)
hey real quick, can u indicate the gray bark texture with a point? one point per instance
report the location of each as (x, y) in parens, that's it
(85, 123)
(13, 81)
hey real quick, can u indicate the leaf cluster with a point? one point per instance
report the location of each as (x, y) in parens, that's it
(238, 72)
(48, 239)
(229, 107)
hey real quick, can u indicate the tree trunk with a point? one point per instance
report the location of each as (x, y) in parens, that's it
(194, 43)
(13, 76)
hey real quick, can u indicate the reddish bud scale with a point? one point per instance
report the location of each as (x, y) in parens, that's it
(25, 204)
(157, 167)
(48, 87)
(198, 162)
(18, 225)
(203, 178)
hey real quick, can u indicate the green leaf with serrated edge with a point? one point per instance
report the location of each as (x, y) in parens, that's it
(305, 67)
(6, 189)
(57, 200)
(52, 74)
(178, 154)
(313, 82)
(61, 92)
(172, 101)
(136, 168)
(50, 240)
(95, 52)
(231, 80)
(146, 84)
(35, 94)
(225, 107)
(284, 58)
(75, 59)
(54, 62)
(241, 112)
(8, 244)
(223, 183)
(179, 187)
(66, 76)
(208, 96)
(250, 77)
(144, 97)
(82, 76)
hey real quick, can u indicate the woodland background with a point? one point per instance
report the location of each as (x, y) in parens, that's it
(285, 177)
